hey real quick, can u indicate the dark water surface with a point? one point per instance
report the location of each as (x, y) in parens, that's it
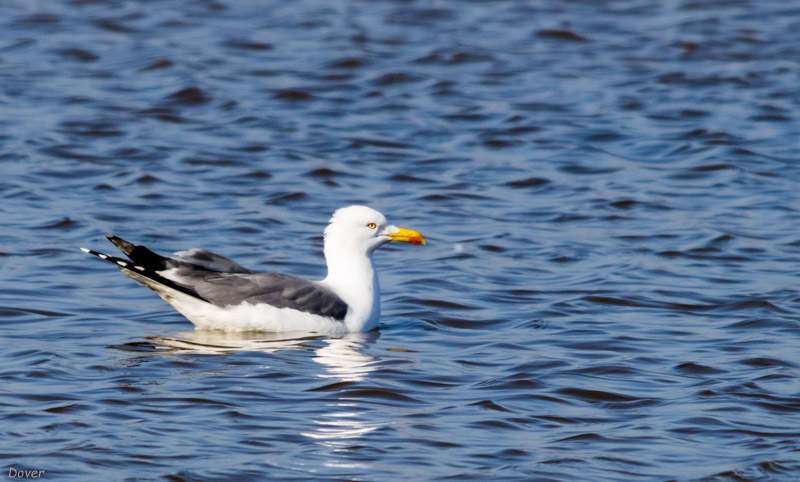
(610, 191)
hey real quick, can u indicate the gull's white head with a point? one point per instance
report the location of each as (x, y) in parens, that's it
(364, 230)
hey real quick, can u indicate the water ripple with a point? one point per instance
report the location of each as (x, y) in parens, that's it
(608, 190)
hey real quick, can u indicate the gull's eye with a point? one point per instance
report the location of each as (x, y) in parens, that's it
(372, 225)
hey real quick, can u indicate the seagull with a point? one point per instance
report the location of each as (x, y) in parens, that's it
(216, 293)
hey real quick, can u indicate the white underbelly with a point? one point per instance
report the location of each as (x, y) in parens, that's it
(259, 317)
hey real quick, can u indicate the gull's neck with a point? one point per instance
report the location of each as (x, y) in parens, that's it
(353, 278)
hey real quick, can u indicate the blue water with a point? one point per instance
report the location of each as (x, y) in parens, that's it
(609, 191)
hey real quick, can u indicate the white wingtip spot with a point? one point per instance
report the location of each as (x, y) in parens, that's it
(138, 267)
(104, 256)
(86, 250)
(122, 263)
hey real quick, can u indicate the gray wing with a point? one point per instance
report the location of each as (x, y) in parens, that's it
(218, 280)
(193, 258)
(210, 261)
(275, 289)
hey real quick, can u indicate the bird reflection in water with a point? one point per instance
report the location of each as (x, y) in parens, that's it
(343, 359)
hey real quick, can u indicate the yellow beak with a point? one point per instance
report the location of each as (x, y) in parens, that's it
(408, 236)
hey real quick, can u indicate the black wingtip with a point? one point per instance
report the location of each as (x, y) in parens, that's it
(120, 243)
(142, 271)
